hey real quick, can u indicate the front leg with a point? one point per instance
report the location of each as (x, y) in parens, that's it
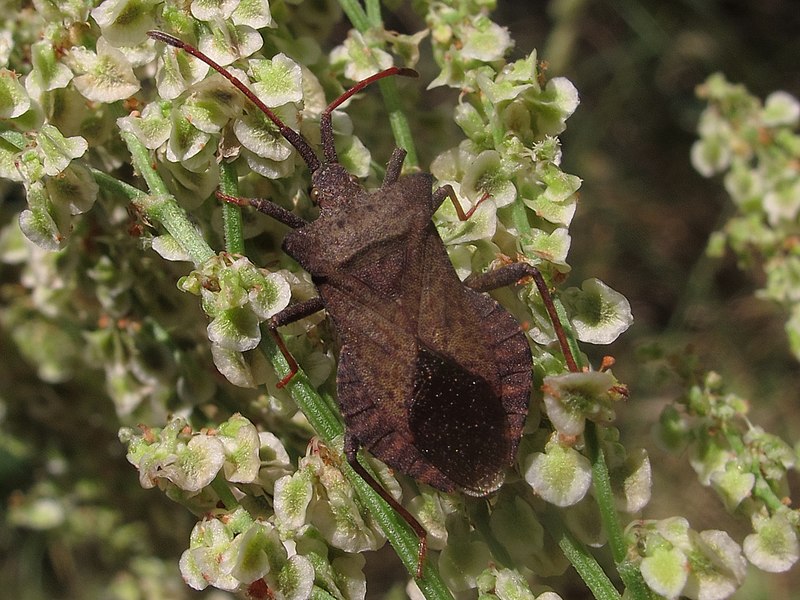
(447, 191)
(290, 314)
(509, 274)
(268, 208)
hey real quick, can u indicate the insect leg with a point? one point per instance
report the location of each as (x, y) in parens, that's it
(290, 314)
(447, 191)
(268, 208)
(510, 274)
(394, 166)
(502, 276)
(351, 446)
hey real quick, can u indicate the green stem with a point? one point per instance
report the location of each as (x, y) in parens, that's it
(114, 186)
(604, 496)
(316, 410)
(763, 491)
(402, 538)
(631, 576)
(323, 570)
(161, 206)
(224, 492)
(479, 515)
(603, 493)
(329, 428)
(584, 563)
(401, 130)
(355, 14)
(374, 13)
(231, 213)
(519, 217)
(142, 162)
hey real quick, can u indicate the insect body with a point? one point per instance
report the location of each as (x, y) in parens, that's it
(434, 376)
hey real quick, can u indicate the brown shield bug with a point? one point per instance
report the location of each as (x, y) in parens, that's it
(434, 376)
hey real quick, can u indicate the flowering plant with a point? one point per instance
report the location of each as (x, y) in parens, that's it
(116, 271)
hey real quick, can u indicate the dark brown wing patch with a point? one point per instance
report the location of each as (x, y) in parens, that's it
(458, 423)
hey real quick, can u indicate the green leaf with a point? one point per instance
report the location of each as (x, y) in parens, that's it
(254, 13)
(487, 41)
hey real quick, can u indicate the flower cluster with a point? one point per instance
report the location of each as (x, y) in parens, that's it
(757, 146)
(746, 466)
(289, 530)
(679, 562)
(238, 297)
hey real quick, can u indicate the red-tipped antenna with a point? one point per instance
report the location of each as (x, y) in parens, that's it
(293, 137)
(325, 125)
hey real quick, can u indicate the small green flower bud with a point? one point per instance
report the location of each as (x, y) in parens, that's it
(781, 108)
(552, 246)
(599, 314)
(196, 464)
(293, 494)
(241, 443)
(486, 41)
(665, 571)
(716, 566)
(45, 224)
(106, 76)
(560, 475)
(57, 151)
(213, 10)
(228, 42)
(259, 135)
(125, 22)
(278, 81)
(235, 329)
(733, 484)
(774, 546)
(176, 72)
(359, 59)
(571, 398)
(253, 13)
